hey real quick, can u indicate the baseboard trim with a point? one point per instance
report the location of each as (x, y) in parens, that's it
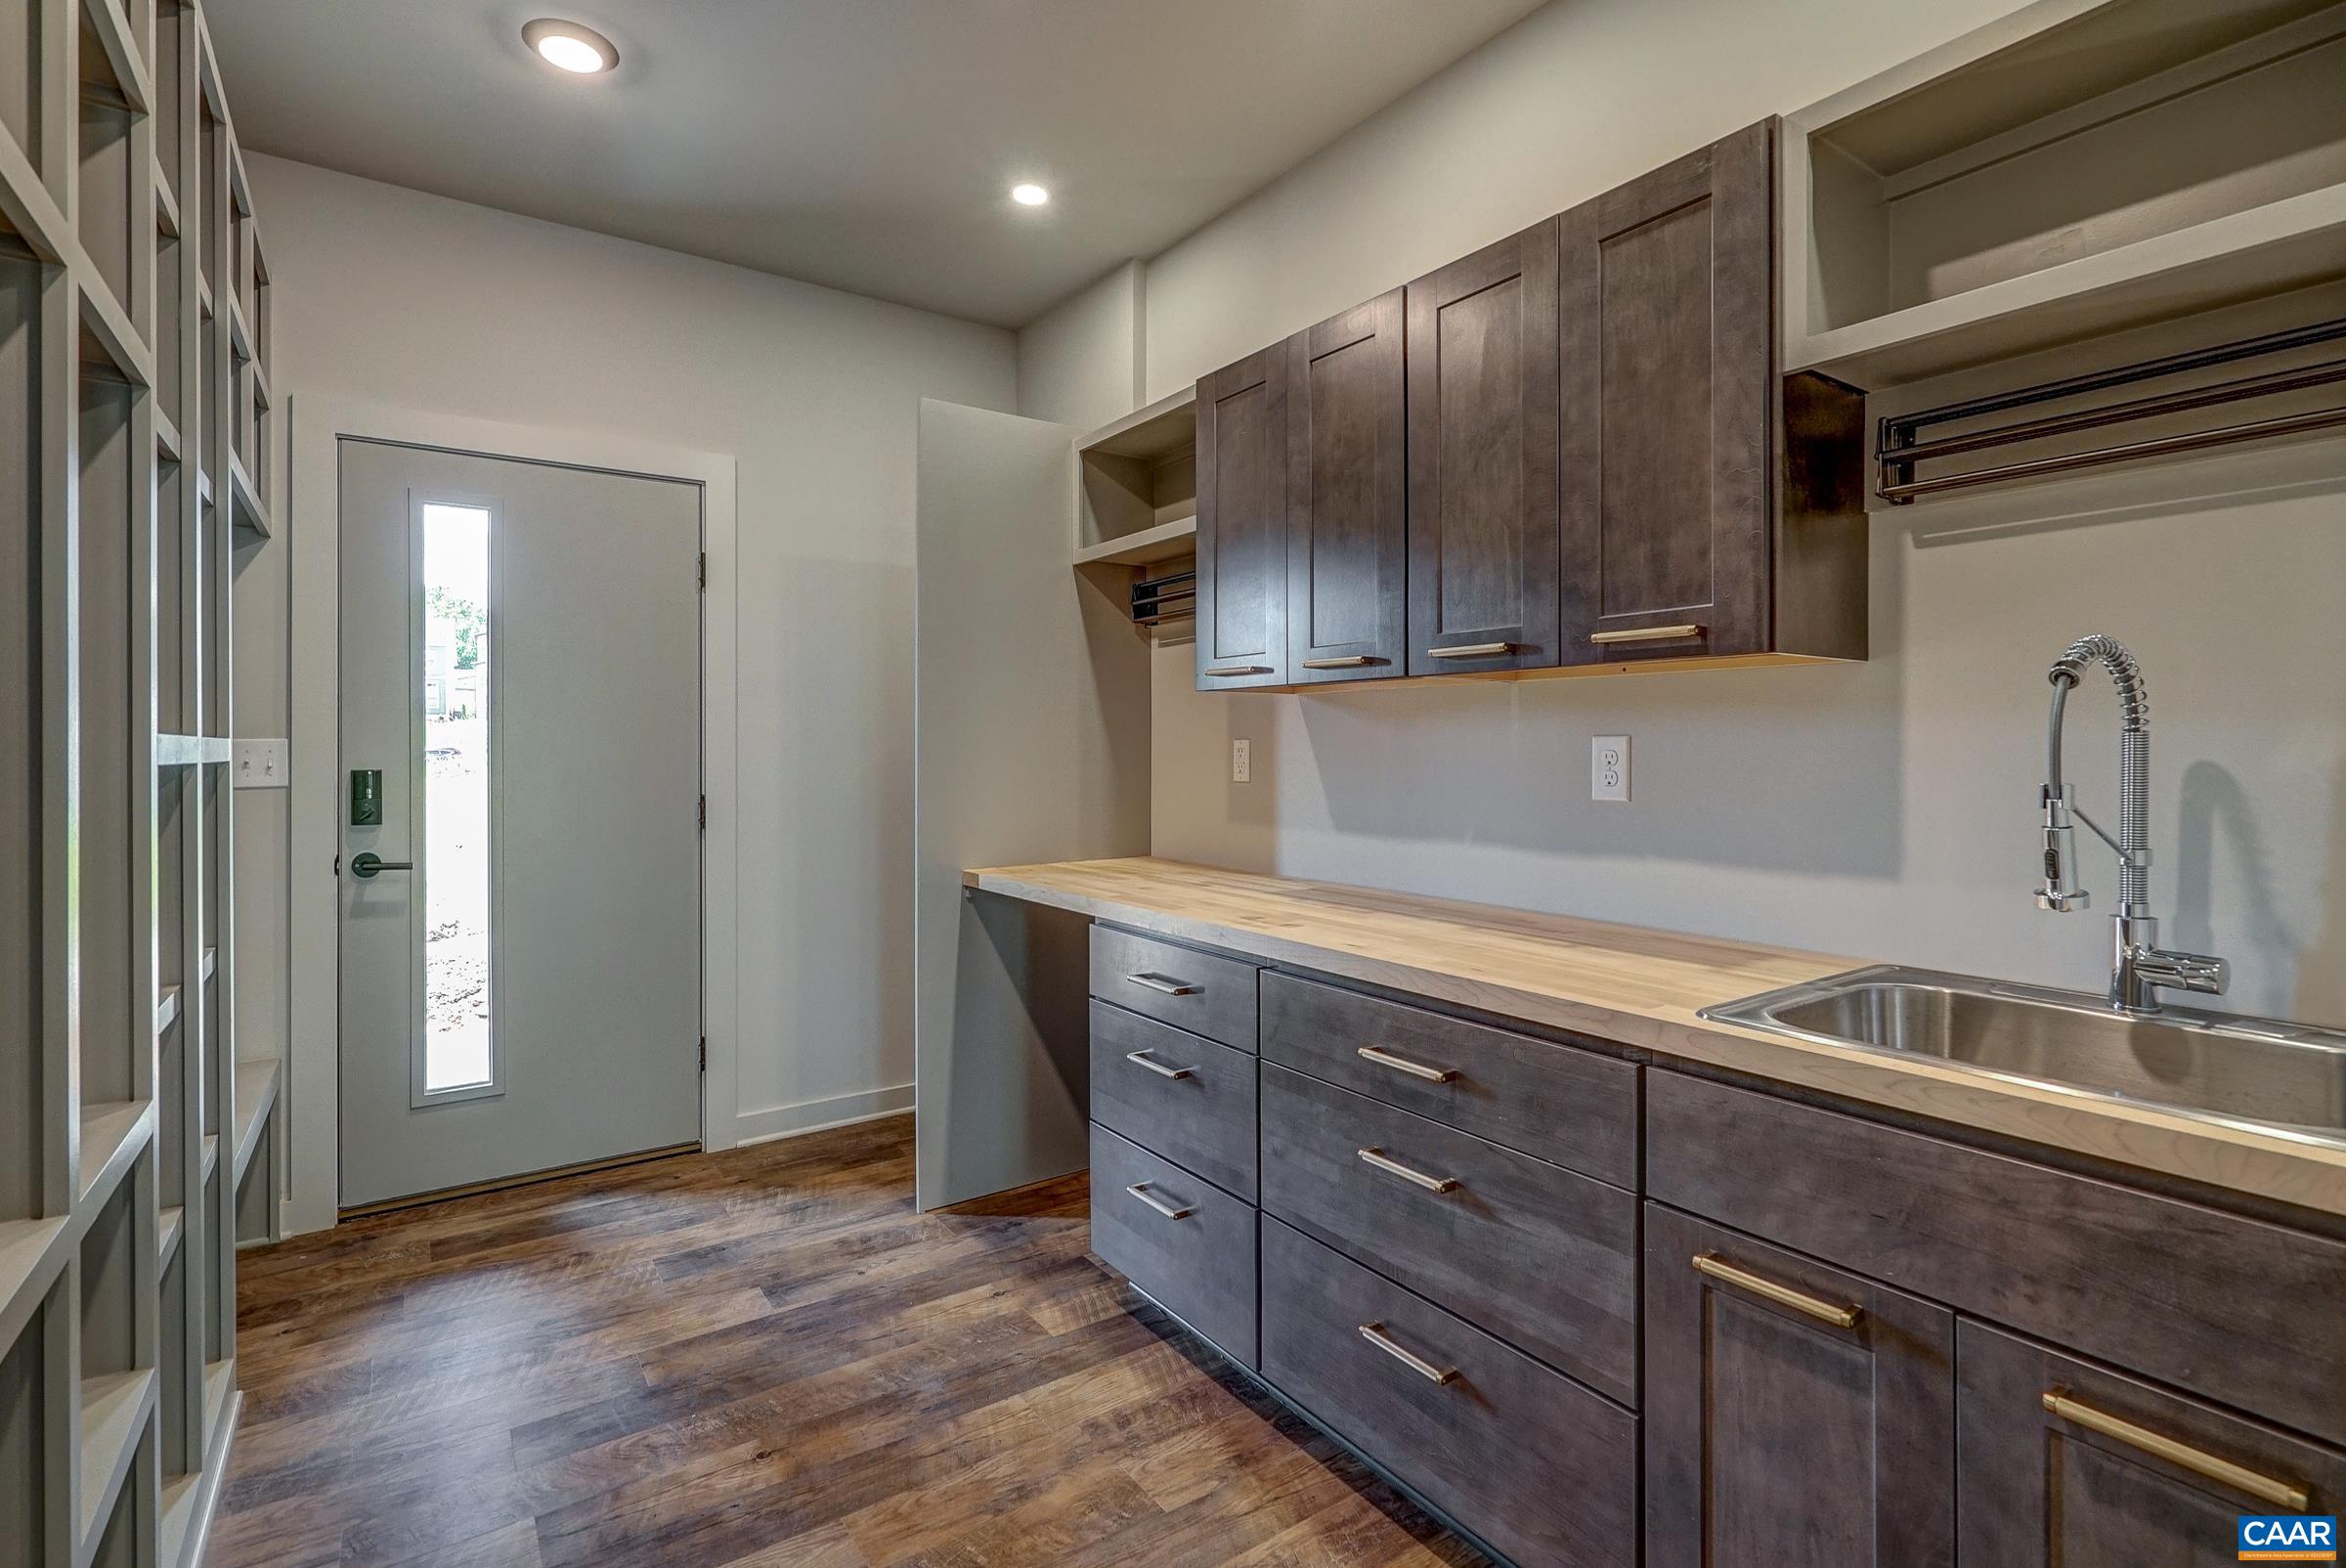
(821, 1115)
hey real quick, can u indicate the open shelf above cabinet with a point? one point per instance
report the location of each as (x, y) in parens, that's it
(1166, 541)
(2077, 168)
(1136, 499)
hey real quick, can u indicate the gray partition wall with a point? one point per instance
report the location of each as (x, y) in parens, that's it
(1031, 743)
(134, 427)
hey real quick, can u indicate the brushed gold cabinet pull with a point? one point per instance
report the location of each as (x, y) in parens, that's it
(1782, 1296)
(2281, 1494)
(1140, 1190)
(1374, 1333)
(1143, 1058)
(1432, 1183)
(1471, 650)
(1646, 633)
(1164, 984)
(1351, 661)
(1402, 1064)
(1237, 670)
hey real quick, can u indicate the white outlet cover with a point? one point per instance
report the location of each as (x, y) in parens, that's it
(262, 765)
(1241, 761)
(1608, 767)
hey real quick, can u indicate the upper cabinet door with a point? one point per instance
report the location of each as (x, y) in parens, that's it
(1665, 312)
(1347, 496)
(1482, 456)
(1241, 524)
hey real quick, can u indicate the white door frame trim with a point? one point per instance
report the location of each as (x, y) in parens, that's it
(313, 520)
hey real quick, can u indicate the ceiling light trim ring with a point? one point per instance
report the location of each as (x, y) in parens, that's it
(571, 47)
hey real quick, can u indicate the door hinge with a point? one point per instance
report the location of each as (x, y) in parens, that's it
(704, 570)
(704, 814)
(704, 1053)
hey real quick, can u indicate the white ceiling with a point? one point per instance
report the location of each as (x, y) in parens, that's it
(865, 143)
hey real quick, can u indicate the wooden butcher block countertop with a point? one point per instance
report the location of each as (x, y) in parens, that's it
(1642, 988)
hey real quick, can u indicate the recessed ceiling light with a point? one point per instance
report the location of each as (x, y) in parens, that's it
(1029, 195)
(567, 46)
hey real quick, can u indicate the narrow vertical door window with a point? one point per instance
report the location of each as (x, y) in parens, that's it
(457, 1040)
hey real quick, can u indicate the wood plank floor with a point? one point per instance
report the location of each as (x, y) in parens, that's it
(758, 1359)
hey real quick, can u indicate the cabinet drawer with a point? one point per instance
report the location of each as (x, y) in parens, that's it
(2208, 1301)
(1178, 1095)
(1200, 1266)
(1534, 1464)
(1540, 1256)
(1575, 1108)
(1201, 992)
(2117, 1472)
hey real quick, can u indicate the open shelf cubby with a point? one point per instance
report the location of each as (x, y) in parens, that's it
(2076, 168)
(121, 1138)
(1137, 479)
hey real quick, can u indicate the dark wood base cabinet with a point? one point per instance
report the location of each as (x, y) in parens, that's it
(1794, 1413)
(1599, 1312)
(2065, 1464)
(1536, 1465)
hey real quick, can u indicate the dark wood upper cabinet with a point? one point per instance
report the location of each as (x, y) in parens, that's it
(1241, 524)
(1681, 537)
(1482, 460)
(1793, 1414)
(2061, 1464)
(1347, 498)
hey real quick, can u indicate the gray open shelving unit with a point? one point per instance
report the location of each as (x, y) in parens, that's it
(135, 414)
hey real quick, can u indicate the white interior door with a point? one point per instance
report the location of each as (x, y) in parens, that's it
(521, 866)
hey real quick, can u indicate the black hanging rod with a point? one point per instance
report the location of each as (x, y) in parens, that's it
(1900, 450)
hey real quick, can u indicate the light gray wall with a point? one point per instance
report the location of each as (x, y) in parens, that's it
(413, 302)
(1081, 364)
(1881, 811)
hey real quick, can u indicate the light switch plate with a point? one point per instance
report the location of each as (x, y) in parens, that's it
(1241, 761)
(1608, 767)
(262, 765)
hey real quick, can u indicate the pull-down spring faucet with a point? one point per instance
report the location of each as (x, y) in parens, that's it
(2140, 968)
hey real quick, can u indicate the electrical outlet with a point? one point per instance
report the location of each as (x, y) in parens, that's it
(1241, 761)
(1608, 767)
(262, 765)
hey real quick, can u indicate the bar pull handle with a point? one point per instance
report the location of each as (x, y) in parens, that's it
(1349, 660)
(366, 863)
(1140, 1190)
(1782, 1296)
(1144, 1060)
(1164, 984)
(1374, 1333)
(2281, 1494)
(1394, 1168)
(1402, 1064)
(1237, 670)
(1471, 650)
(1646, 633)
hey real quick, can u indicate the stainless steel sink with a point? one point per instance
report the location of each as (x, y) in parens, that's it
(2259, 1074)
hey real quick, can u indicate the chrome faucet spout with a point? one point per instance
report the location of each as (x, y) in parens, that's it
(2140, 969)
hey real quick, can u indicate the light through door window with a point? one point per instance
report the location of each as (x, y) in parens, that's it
(457, 815)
